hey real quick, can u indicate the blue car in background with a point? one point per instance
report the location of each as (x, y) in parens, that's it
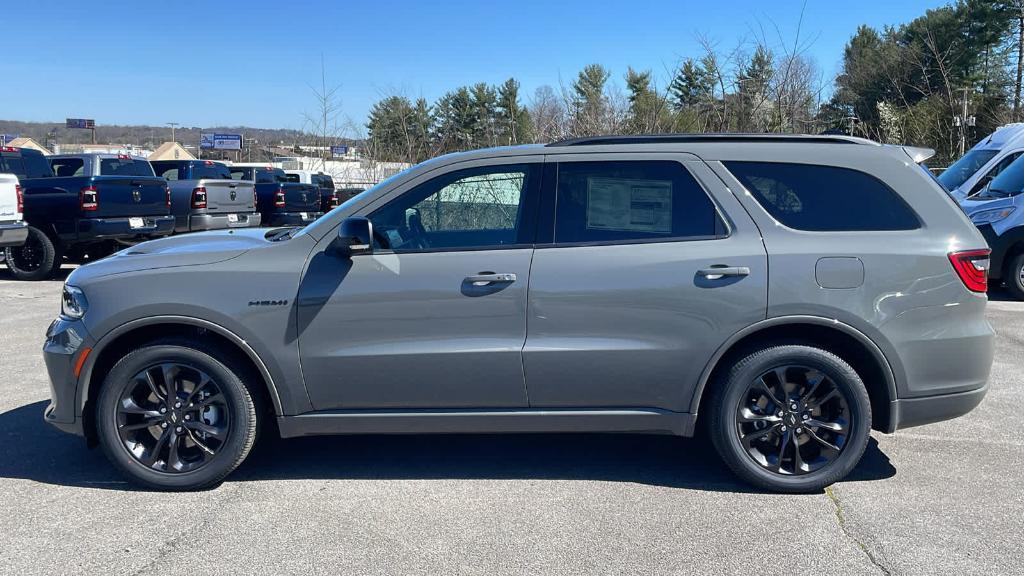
(998, 212)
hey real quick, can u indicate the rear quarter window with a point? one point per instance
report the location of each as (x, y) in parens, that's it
(824, 198)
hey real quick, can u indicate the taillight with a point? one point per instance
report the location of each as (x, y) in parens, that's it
(335, 201)
(255, 199)
(167, 196)
(972, 267)
(199, 197)
(89, 199)
(21, 198)
(279, 198)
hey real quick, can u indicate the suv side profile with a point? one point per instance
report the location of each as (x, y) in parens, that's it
(789, 294)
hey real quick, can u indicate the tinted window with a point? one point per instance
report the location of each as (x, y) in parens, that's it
(965, 167)
(473, 208)
(1009, 182)
(292, 177)
(36, 165)
(824, 198)
(167, 170)
(12, 165)
(241, 173)
(210, 170)
(68, 166)
(630, 201)
(324, 181)
(124, 167)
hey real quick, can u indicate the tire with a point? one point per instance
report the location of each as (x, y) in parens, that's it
(1012, 278)
(39, 258)
(741, 407)
(229, 408)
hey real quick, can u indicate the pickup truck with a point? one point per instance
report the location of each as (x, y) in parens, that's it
(329, 197)
(280, 202)
(204, 197)
(13, 230)
(84, 206)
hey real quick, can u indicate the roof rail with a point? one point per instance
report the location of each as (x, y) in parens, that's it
(717, 137)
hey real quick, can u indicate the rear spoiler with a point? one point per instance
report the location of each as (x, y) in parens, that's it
(918, 155)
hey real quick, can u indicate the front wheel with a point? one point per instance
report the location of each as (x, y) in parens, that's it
(39, 258)
(791, 418)
(1014, 278)
(172, 417)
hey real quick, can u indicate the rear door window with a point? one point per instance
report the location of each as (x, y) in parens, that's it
(824, 198)
(631, 201)
(68, 166)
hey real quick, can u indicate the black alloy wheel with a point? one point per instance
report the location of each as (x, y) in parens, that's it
(173, 418)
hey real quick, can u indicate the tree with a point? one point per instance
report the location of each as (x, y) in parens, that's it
(547, 115)
(589, 110)
(754, 83)
(398, 131)
(513, 126)
(648, 110)
(455, 121)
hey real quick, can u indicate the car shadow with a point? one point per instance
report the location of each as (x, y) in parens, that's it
(60, 276)
(31, 449)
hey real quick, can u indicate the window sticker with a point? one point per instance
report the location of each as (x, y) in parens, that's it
(629, 205)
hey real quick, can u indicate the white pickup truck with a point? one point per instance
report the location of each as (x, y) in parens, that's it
(13, 230)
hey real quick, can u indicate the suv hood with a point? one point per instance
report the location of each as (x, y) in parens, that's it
(972, 206)
(187, 250)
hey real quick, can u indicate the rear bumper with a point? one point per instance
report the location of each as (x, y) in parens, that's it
(909, 412)
(199, 222)
(66, 341)
(121, 228)
(292, 218)
(13, 234)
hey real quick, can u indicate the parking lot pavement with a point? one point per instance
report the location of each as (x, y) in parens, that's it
(943, 498)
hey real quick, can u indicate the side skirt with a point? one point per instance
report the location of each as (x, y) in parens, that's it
(490, 421)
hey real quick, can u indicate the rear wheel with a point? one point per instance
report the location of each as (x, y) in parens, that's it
(175, 418)
(791, 418)
(38, 258)
(1014, 278)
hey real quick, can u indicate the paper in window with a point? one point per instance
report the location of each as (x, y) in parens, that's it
(629, 205)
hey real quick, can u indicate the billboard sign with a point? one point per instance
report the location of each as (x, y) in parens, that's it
(209, 141)
(337, 151)
(84, 123)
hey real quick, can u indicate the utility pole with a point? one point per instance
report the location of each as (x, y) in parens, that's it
(173, 125)
(963, 121)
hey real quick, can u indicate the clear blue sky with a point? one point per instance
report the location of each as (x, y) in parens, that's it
(251, 63)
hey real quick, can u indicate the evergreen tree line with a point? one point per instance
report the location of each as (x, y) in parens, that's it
(904, 84)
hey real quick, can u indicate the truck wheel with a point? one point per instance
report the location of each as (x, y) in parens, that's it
(1014, 277)
(38, 258)
(791, 418)
(172, 417)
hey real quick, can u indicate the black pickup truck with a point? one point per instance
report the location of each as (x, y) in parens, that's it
(280, 202)
(85, 206)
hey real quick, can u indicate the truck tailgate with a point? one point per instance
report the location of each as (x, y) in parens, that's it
(8, 198)
(229, 196)
(301, 197)
(122, 196)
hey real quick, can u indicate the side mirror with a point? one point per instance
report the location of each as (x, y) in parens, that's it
(355, 237)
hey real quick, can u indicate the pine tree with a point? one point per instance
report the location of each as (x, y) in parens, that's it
(514, 126)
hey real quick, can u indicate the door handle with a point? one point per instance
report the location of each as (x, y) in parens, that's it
(719, 272)
(490, 278)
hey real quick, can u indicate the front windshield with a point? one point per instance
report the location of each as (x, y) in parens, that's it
(965, 167)
(1009, 182)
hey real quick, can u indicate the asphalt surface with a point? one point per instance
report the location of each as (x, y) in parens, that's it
(944, 498)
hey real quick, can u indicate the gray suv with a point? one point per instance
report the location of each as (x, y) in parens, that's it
(787, 294)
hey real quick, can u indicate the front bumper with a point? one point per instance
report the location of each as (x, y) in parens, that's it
(66, 341)
(909, 412)
(198, 222)
(121, 228)
(292, 218)
(13, 234)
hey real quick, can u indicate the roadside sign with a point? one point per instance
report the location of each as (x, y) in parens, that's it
(339, 151)
(209, 141)
(84, 123)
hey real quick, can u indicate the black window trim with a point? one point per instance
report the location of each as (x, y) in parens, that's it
(776, 221)
(529, 199)
(549, 201)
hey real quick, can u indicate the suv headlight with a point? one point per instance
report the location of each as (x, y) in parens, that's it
(73, 303)
(990, 216)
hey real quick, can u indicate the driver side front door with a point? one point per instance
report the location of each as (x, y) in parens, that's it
(435, 317)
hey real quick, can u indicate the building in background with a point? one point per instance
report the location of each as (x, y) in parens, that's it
(29, 143)
(171, 151)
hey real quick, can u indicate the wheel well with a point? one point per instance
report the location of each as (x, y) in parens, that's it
(853, 351)
(1011, 253)
(203, 338)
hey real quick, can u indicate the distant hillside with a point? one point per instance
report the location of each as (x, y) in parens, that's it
(148, 136)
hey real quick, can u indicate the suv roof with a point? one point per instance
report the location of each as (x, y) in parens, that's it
(716, 138)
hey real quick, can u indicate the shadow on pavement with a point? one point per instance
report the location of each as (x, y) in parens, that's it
(31, 449)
